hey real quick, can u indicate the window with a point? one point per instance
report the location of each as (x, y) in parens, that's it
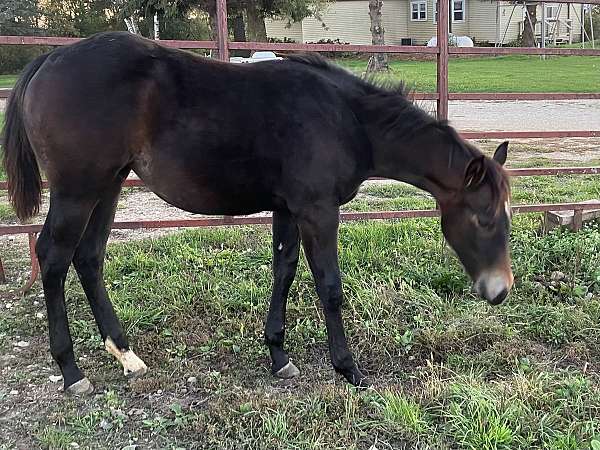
(458, 10)
(418, 10)
(552, 12)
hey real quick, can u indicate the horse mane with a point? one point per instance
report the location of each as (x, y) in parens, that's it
(385, 103)
(388, 105)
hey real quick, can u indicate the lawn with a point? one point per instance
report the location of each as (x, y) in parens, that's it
(7, 81)
(499, 74)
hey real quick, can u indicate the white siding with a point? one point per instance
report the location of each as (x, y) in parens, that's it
(560, 27)
(510, 27)
(282, 29)
(482, 20)
(347, 21)
(421, 31)
(395, 16)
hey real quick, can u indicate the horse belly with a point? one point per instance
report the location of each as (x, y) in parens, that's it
(231, 189)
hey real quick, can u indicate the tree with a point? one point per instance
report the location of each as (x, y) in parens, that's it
(528, 36)
(378, 61)
(79, 18)
(19, 17)
(255, 18)
(246, 17)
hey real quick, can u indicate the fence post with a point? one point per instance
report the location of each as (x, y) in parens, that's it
(35, 265)
(442, 59)
(222, 30)
(577, 219)
(2, 274)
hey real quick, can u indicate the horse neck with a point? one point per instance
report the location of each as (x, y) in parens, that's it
(430, 160)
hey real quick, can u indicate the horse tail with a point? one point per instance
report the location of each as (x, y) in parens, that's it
(22, 171)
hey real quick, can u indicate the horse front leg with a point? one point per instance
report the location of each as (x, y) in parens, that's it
(319, 232)
(286, 249)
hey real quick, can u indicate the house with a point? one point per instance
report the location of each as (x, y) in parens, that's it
(413, 22)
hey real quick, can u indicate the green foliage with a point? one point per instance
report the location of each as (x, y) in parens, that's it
(13, 58)
(20, 17)
(80, 18)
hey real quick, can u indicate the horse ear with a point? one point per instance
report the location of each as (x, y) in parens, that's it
(501, 153)
(475, 172)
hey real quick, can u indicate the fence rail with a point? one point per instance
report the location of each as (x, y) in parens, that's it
(442, 53)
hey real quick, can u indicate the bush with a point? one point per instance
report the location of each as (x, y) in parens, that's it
(285, 40)
(13, 58)
(335, 54)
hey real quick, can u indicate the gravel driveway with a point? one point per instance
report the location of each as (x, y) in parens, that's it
(567, 115)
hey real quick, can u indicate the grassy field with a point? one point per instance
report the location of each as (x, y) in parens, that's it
(499, 74)
(449, 371)
(7, 80)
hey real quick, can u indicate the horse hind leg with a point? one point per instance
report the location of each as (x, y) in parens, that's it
(89, 264)
(62, 230)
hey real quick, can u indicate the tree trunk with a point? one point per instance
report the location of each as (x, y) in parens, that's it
(239, 35)
(156, 27)
(378, 62)
(132, 25)
(212, 17)
(528, 36)
(257, 31)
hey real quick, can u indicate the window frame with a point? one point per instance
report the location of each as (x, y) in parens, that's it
(464, 11)
(419, 3)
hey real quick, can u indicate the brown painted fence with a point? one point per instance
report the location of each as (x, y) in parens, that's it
(442, 96)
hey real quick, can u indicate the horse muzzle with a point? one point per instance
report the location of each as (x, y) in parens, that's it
(494, 286)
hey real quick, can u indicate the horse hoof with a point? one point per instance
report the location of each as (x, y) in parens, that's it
(288, 371)
(357, 379)
(363, 383)
(135, 370)
(80, 388)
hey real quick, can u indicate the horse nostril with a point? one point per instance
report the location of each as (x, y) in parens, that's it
(499, 298)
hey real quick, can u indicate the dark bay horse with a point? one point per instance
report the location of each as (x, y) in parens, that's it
(296, 137)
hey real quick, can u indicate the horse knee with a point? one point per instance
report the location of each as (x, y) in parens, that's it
(87, 263)
(331, 296)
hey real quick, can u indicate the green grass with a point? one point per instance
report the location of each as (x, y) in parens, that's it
(451, 371)
(498, 74)
(7, 81)
(588, 44)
